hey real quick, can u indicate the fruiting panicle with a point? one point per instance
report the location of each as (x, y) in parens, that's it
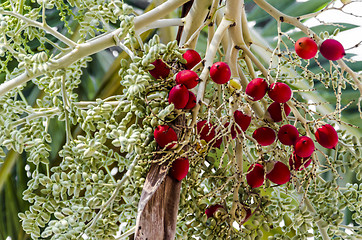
(220, 72)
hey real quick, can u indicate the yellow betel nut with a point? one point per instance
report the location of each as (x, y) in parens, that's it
(234, 84)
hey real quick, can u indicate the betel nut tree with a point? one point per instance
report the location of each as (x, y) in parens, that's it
(214, 119)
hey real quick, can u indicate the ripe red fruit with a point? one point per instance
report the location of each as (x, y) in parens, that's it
(192, 58)
(332, 49)
(280, 92)
(206, 130)
(264, 136)
(256, 89)
(164, 135)
(191, 102)
(180, 168)
(212, 209)
(160, 71)
(220, 72)
(297, 163)
(287, 134)
(255, 175)
(304, 146)
(306, 48)
(248, 214)
(179, 96)
(275, 111)
(188, 78)
(232, 129)
(280, 173)
(242, 120)
(327, 136)
(217, 143)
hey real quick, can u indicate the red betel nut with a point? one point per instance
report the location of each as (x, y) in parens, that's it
(256, 89)
(212, 209)
(306, 48)
(255, 175)
(304, 146)
(180, 168)
(206, 130)
(242, 121)
(280, 92)
(297, 163)
(264, 136)
(192, 58)
(280, 173)
(191, 102)
(188, 78)
(160, 71)
(326, 136)
(287, 134)
(179, 96)
(275, 111)
(332, 49)
(164, 135)
(220, 72)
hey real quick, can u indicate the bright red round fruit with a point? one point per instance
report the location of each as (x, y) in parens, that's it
(220, 72)
(217, 143)
(297, 163)
(164, 136)
(327, 136)
(275, 111)
(179, 96)
(188, 78)
(264, 136)
(332, 49)
(248, 214)
(304, 146)
(160, 71)
(280, 173)
(212, 209)
(287, 134)
(242, 120)
(280, 92)
(306, 48)
(255, 175)
(192, 58)
(180, 168)
(206, 130)
(191, 102)
(256, 89)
